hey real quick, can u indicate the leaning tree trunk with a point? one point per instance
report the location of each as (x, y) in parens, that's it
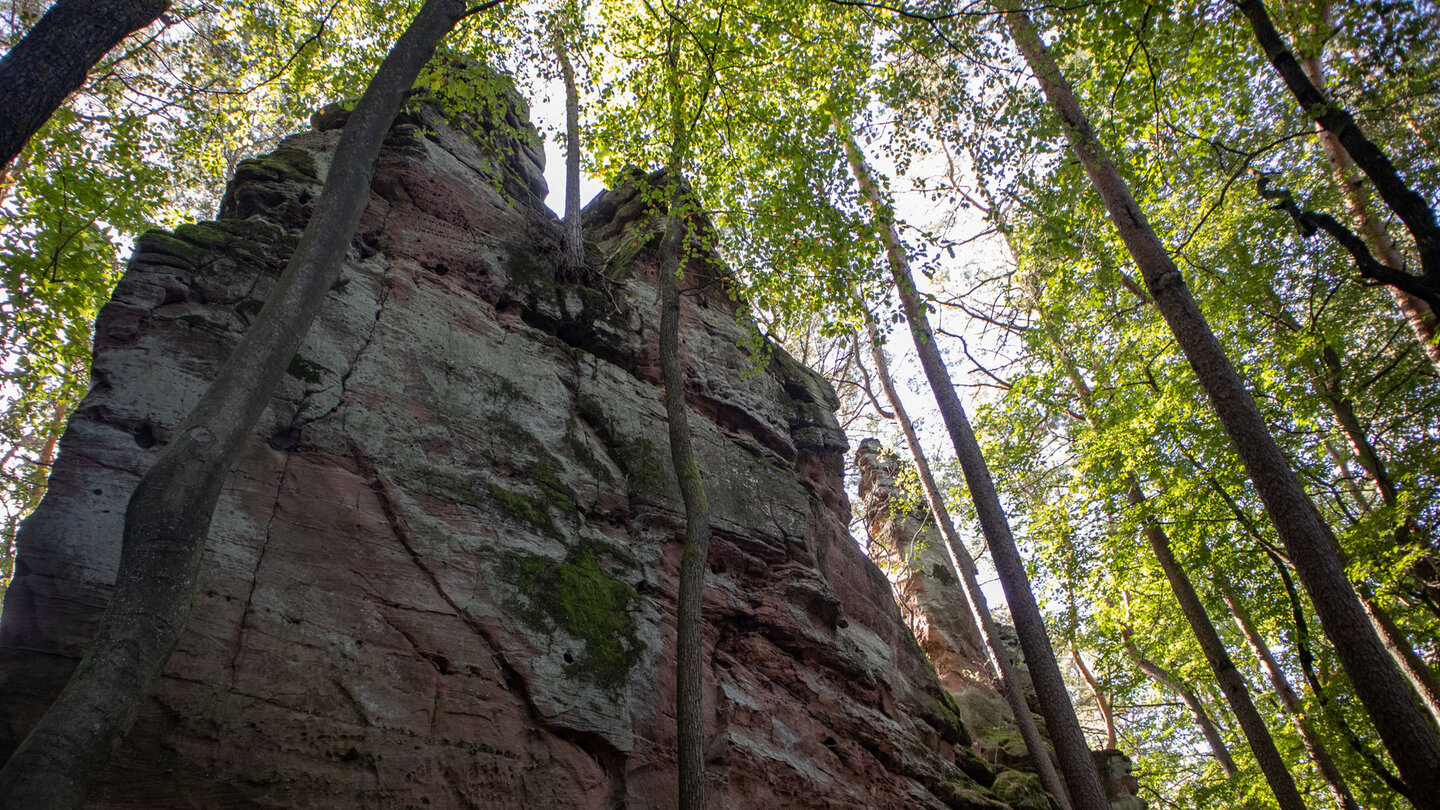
(55, 56)
(1170, 683)
(1227, 675)
(1407, 735)
(1010, 683)
(168, 516)
(1083, 781)
(1106, 713)
(1418, 314)
(1311, 739)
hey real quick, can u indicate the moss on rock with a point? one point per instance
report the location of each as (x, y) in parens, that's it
(579, 597)
(526, 509)
(1020, 790)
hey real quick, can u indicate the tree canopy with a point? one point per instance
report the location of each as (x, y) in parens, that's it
(1262, 198)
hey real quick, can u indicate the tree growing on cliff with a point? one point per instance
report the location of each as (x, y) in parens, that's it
(168, 516)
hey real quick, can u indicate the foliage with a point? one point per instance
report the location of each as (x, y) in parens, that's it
(1182, 99)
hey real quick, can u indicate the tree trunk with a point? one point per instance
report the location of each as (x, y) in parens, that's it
(574, 242)
(1403, 199)
(1291, 701)
(1231, 682)
(1105, 711)
(1170, 683)
(1083, 781)
(1407, 735)
(55, 56)
(690, 724)
(1417, 313)
(1010, 683)
(168, 516)
(689, 627)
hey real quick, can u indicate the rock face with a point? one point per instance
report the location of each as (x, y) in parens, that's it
(443, 571)
(939, 613)
(929, 587)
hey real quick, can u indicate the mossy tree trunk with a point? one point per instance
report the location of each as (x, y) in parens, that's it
(169, 514)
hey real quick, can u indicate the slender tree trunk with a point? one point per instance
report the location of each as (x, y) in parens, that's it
(1303, 650)
(1402, 198)
(169, 514)
(574, 242)
(1170, 683)
(1105, 711)
(1010, 684)
(1312, 741)
(1083, 781)
(55, 56)
(689, 628)
(1418, 314)
(1227, 675)
(1421, 677)
(1407, 735)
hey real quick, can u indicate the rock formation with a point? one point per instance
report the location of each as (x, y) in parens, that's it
(443, 572)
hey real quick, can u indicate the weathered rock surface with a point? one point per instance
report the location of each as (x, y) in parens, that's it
(939, 613)
(443, 571)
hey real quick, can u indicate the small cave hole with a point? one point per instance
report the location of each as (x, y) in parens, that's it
(569, 659)
(145, 436)
(832, 745)
(441, 269)
(285, 441)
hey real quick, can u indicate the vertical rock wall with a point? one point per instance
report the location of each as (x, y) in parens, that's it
(443, 570)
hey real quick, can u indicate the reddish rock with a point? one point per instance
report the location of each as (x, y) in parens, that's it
(443, 570)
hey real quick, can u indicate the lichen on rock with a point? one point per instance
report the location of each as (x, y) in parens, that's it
(442, 571)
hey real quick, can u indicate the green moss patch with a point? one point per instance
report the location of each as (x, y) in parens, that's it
(578, 596)
(526, 509)
(642, 461)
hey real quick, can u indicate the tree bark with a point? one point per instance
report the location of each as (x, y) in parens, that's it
(1408, 204)
(574, 242)
(169, 514)
(1418, 314)
(690, 724)
(1105, 712)
(1311, 739)
(1081, 778)
(689, 627)
(1010, 684)
(1170, 683)
(1231, 682)
(55, 56)
(1413, 745)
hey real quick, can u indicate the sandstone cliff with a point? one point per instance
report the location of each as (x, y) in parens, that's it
(443, 572)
